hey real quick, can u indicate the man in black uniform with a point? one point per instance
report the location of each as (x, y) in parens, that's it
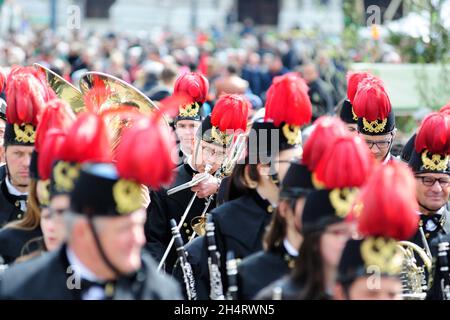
(430, 163)
(282, 240)
(210, 146)
(19, 142)
(189, 116)
(103, 257)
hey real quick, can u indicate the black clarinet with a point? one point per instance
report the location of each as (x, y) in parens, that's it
(443, 249)
(215, 278)
(232, 272)
(188, 275)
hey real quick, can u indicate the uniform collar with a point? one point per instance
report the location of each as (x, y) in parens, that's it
(261, 202)
(80, 268)
(12, 190)
(290, 248)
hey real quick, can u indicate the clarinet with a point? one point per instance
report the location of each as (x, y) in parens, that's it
(188, 275)
(215, 279)
(443, 249)
(232, 272)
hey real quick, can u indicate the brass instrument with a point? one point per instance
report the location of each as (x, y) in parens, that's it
(120, 94)
(238, 147)
(63, 89)
(415, 278)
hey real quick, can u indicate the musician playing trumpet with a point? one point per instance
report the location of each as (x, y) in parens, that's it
(210, 145)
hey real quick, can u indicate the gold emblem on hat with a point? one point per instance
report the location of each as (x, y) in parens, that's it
(292, 134)
(437, 162)
(25, 133)
(382, 253)
(65, 174)
(374, 126)
(342, 200)
(220, 137)
(43, 190)
(189, 110)
(316, 182)
(127, 195)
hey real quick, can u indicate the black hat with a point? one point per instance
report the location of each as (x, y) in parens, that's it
(33, 169)
(189, 112)
(425, 162)
(22, 135)
(99, 191)
(325, 207)
(297, 181)
(408, 149)
(265, 141)
(208, 133)
(196, 86)
(364, 257)
(377, 127)
(347, 114)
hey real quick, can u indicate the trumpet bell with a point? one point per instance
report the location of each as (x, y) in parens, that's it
(198, 224)
(63, 89)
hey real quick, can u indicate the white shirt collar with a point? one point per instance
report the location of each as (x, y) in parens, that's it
(290, 248)
(388, 157)
(439, 212)
(80, 268)
(12, 190)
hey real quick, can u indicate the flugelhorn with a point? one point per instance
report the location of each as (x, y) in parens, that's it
(63, 89)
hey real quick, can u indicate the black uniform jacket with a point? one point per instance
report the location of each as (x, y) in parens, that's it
(262, 268)
(15, 242)
(9, 204)
(48, 277)
(163, 207)
(239, 227)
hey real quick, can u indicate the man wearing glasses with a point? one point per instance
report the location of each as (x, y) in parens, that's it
(430, 163)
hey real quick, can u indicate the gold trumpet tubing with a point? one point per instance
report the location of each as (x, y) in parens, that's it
(422, 254)
(64, 90)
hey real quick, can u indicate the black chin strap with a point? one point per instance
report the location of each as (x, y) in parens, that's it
(102, 252)
(423, 206)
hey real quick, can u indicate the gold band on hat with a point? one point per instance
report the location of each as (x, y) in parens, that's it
(383, 254)
(128, 196)
(220, 137)
(374, 126)
(292, 134)
(342, 200)
(437, 162)
(189, 110)
(25, 133)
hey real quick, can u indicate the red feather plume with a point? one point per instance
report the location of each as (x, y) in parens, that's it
(56, 114)
(371, 101)
(434, 134)
(326, 130)
(389, 206)
(353, 81)
(145, 152)
(347, 162)
(97, 95)
(194, 84)
(288, 101)
(87, 140)
(230, 112)
(445, 109)
(50, 151)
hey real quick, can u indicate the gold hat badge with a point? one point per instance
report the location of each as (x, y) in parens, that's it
(437, 162)
(25, 133)
(292, 134)
(220, 137)
(189, 110)
(342, 200)
(375, 126)
(127, 195)
(382, 253)
(65, 174)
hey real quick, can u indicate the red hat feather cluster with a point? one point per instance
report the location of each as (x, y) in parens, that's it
(230, 112)
(326, 129)
(346, 162)
(193, 84)
(26, 94)
(288, 101)
(144, 153)
(387, 204)
(434, 134)
(445, 109)
(87, 140)
(56, 114)
(371, 100)
(353, 81)
(50, 151)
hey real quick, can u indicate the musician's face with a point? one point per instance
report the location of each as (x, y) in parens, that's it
(185, 130)
(384, 288)
(52, 223)
(18, 159)
(122, 239)
(332, 242)
(208, 153)
(434, 196)
(379, 145)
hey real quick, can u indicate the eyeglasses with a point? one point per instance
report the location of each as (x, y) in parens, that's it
(380, 144)
(430, 181)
